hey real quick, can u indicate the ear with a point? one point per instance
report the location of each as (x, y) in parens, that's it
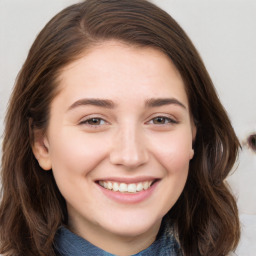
(40, 148)
(194, 130)
(191, 153)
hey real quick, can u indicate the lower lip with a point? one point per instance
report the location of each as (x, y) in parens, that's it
(129, 198)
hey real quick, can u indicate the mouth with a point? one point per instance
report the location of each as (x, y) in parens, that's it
(126, 187)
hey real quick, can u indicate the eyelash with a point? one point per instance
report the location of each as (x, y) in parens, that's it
(87, 122)
(167, 121)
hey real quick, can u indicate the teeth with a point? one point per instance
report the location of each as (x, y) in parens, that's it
(110, 186)
(146, 185)
(115, 186)
(124, 188)
(139, 187)
(131, 188)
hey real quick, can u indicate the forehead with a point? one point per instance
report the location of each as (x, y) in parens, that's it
(115, 67)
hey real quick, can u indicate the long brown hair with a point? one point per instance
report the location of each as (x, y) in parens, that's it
(32, 207)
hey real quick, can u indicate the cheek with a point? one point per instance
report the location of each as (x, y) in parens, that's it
(174, 153)
(74, 153)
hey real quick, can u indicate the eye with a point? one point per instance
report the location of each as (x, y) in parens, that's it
(94, 121)
(162, 120)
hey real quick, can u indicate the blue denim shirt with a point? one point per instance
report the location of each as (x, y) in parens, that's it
(69, 244)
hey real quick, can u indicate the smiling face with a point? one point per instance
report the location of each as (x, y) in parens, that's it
(119, 141)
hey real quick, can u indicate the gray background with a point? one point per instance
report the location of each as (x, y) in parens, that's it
(224, 32)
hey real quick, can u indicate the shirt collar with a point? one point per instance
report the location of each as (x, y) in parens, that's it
(69, 244)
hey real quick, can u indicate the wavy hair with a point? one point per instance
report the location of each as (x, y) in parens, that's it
(32, 207)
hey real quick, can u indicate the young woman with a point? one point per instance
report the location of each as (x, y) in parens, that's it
(115, 141)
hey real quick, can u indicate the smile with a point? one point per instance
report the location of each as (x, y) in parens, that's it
(126, 187)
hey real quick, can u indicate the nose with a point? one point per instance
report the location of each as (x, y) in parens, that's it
(129, 148)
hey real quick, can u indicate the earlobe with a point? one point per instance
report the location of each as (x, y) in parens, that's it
(192, 153)
(194, 130)
(40, 148)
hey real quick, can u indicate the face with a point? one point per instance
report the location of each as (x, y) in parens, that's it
(119, 140)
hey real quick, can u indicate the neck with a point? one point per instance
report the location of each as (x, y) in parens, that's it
(117, 244)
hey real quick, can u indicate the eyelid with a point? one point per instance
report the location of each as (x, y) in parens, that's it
(172, 120)
(85, 120)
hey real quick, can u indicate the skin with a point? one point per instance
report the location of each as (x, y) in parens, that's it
(126, 141)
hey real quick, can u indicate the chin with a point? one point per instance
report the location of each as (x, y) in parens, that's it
(133, 227)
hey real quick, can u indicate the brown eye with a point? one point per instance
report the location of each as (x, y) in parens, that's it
(162, 120)
(159, 120)
(94, 122)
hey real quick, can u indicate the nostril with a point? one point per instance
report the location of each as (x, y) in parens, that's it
(252, 142)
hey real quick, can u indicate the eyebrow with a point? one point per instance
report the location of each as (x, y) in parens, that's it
(158, 102)
(94, 102)
(105, 103)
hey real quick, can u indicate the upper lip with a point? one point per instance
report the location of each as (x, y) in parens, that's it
(128, 179)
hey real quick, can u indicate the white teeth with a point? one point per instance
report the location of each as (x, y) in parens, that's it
(145, 185)
(110, 185)
(124, 188)
(131, 188)
(115, 186)
(139, 186)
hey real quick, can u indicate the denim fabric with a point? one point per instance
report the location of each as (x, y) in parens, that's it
(69, 244)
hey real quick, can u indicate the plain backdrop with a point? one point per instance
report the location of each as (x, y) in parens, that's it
(224, 32)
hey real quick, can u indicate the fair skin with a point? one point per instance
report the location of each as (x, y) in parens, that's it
(122, 116)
